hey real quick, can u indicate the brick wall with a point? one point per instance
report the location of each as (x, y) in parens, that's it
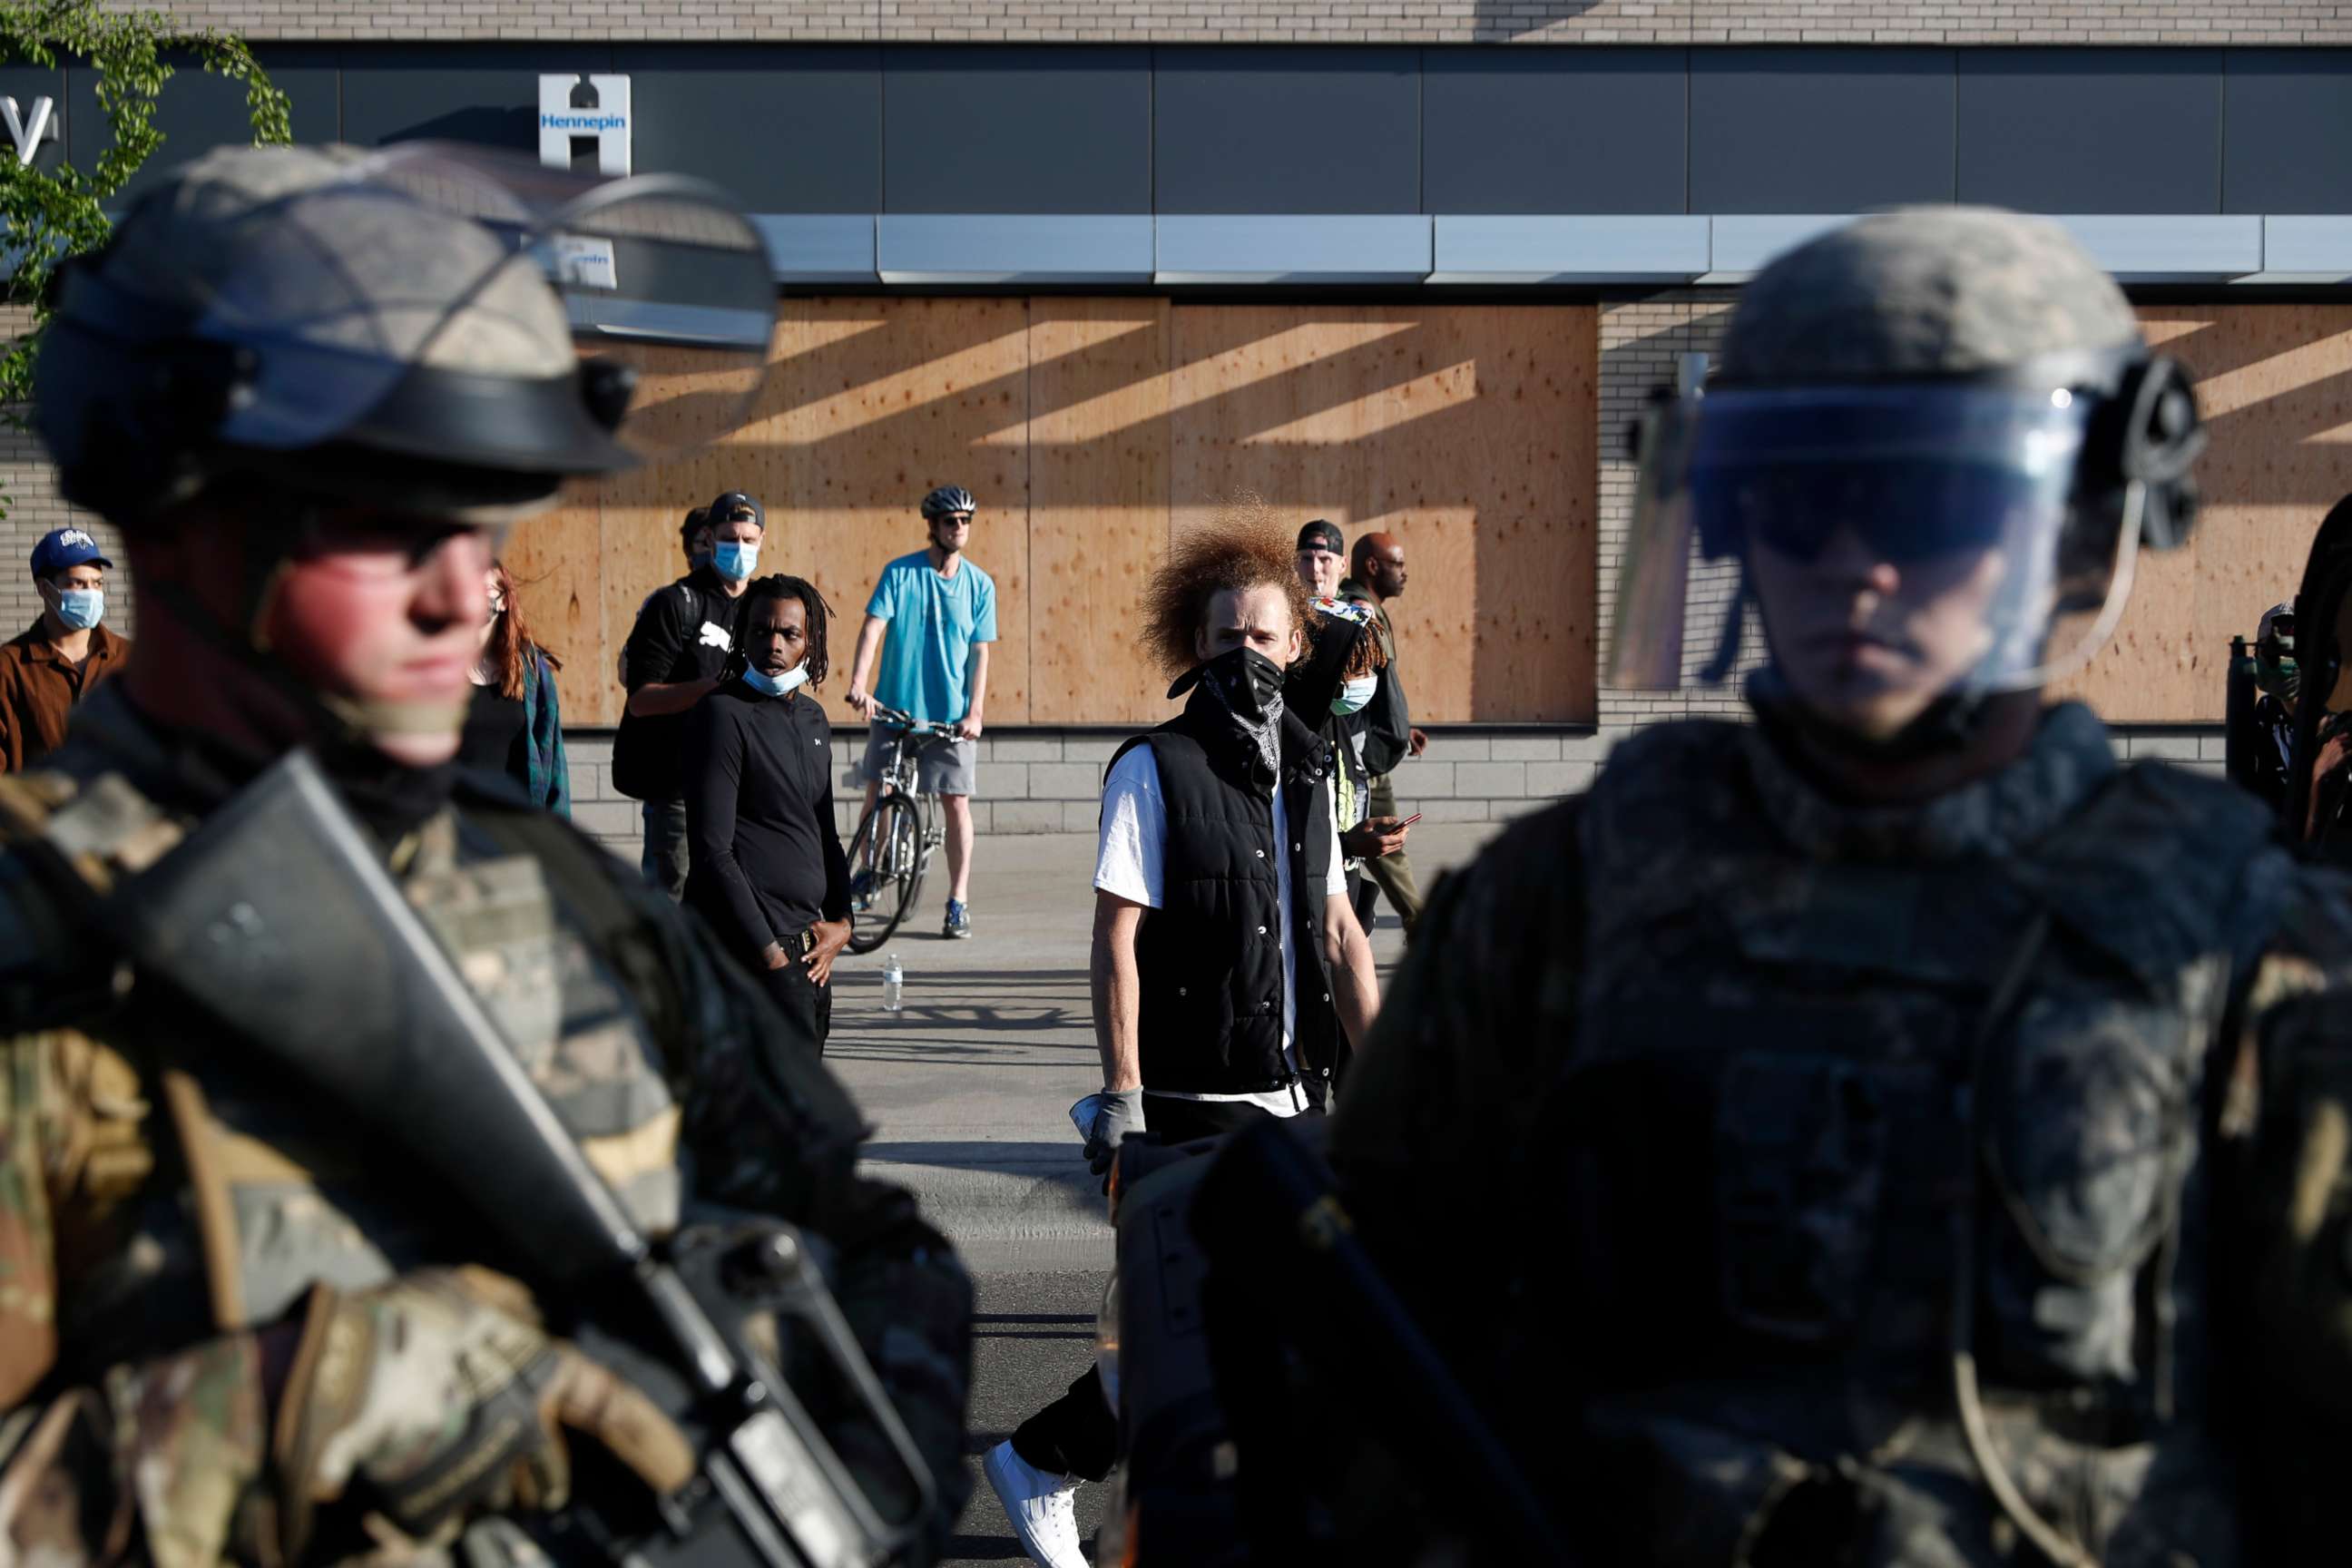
(1642, 343)
(1299, 21)
(1050, 781)
(28, 492)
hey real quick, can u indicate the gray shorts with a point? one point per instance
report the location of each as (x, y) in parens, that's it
(942, 767)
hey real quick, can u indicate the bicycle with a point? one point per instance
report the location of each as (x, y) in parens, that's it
(894, 841)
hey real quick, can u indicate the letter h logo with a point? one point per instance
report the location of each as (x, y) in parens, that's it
(578, 119)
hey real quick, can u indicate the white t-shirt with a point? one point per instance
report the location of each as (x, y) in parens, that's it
(1131, 860)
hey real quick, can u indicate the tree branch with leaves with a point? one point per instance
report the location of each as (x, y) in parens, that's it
(52, 214)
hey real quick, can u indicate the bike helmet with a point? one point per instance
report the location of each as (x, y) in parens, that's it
(948, 499)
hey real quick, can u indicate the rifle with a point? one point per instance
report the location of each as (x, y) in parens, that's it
(276, 918)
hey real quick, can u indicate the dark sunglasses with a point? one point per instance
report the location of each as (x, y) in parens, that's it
(1903, 512)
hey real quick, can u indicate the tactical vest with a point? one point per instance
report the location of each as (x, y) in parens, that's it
(215, 1198)
(1810, 1097)
(1209, 960)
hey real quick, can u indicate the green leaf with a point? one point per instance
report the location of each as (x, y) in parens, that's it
(51, 215)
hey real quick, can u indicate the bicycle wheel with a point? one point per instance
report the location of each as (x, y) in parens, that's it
(882, 874)
(911, 855)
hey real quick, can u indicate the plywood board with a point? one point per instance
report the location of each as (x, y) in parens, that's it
(556, 560)
(2274, 383)
(1089, 430)
(1098, 437)
(873, 403)
(1466, 431)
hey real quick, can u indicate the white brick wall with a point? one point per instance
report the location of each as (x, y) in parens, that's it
(2208, 22)
(29, 488)
(1048, 780)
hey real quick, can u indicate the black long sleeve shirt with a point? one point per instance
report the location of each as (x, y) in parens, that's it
(766, 860)
(683, 632)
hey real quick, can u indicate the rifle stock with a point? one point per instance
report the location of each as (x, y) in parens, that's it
(275, 917)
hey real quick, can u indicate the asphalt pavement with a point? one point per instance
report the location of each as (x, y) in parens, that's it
(969, 1088)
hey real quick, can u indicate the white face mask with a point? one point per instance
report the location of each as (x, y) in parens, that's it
(777, 684)
(1355, 694)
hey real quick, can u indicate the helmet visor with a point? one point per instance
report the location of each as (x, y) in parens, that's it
(477, 310)
(1917, 532)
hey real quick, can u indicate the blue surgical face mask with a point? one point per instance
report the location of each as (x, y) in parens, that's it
(776, 685)
(1355, 694)
(735, 560)
(82, 608)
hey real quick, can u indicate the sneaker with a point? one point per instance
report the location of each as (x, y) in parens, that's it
(959, 921)
(1038, 1502)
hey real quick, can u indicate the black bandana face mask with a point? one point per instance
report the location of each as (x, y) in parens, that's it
(1250, 686)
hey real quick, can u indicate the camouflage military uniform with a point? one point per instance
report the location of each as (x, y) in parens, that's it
(161, 1205)
(1841, 1121)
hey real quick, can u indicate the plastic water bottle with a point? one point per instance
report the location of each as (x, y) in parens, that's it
(894, 983)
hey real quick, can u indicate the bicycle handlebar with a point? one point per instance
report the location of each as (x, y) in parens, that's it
(913, 725)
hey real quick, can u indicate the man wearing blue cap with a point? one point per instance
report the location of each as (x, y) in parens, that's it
(55, 662)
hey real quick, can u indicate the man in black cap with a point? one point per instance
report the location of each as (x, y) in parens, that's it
(1322, 557)
(671, 662)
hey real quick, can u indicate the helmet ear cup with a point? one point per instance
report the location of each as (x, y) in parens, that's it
(2150, 434)
(129, 429)
(127, 421)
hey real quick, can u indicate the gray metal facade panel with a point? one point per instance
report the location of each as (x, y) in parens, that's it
(1819, 130)
(1011, 248)
(484, 93)
(25, 84)
(1032, 131)
(1561, 130)
(2286, 131)
(820, 248)
(2092, 131)
(1520, 247)
(1260, 247)
(785, 129)
(197, 113)
(1286, 131)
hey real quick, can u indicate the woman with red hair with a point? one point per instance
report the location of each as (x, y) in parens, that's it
(514, 726)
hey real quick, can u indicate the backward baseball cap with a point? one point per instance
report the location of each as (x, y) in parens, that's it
(418, 300)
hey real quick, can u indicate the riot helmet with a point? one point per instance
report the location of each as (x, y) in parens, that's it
(428, 329)
(1934, 446)
(326, 345)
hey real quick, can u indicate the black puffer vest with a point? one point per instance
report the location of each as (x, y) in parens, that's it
(1210, 956)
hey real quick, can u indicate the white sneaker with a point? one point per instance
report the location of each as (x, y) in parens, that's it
(1038, 1502)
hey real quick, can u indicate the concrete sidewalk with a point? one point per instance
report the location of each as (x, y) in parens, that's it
(970, 1086)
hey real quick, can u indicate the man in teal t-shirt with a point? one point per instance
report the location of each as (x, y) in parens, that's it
(940, 610)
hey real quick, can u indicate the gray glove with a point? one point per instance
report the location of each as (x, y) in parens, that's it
(1118, 1112)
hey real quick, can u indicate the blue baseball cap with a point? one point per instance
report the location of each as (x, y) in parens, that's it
(63, 547)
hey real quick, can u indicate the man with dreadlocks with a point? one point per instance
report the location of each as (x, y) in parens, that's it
(767, 867)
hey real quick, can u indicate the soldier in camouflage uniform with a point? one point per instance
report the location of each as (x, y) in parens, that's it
(309, 386)
(1939, 1132)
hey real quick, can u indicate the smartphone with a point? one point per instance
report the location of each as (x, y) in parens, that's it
(1083, 1114)
(1408, 822)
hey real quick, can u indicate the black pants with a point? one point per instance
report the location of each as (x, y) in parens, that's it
(806, 1006)
(1077, 1434)
(663, 860)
